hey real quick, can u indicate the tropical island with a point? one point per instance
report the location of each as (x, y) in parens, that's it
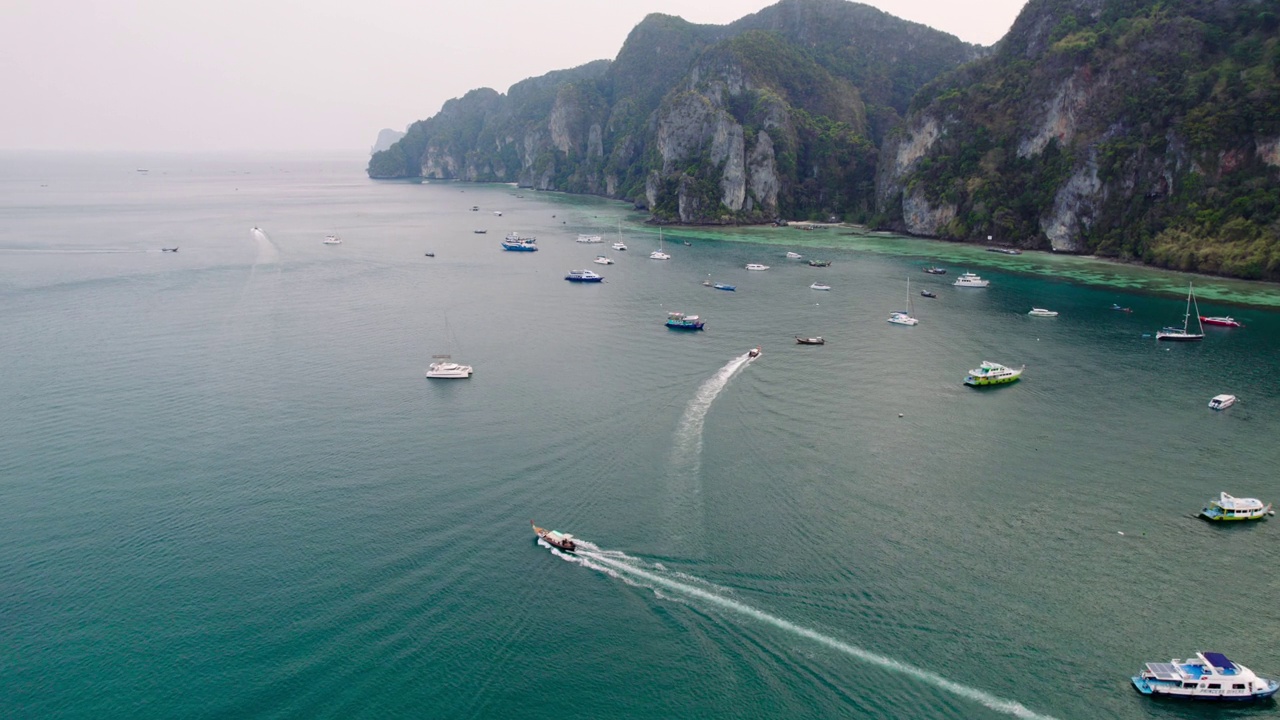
(1141, 130)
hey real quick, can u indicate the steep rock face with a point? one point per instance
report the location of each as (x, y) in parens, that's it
(386, 138)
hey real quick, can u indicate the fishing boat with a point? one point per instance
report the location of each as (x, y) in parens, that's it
(591, 239)
(819, 263)
(1041, 312)
(757, 266)
(753, 353)
(926, 293)
(989, 373)
(1227, 508)
(332, 240)
(555, 538)
(583, 276)
(1174, 334)
(905, 317)
(659, 254)
(680, 321)
(970, 280)
(819, 286)
(1226, 321)
(517, 243)
(602, 260)
(1207, 676)
(1222, 402)
(445, 368)
(810, 340)
(936, 270)
(794, 255)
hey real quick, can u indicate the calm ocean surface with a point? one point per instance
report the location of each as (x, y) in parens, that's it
(227, 490)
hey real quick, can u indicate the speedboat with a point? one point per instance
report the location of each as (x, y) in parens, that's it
(1041, 312)
(970, 280)
(819, 286)
(332, 240)
(515, 243)
(680, 321)
(583, 276)
(936, 270)
(555, 538)
(619, 245)
(498, 213)
(1222, 402)
(810, 340)
(1227, 508)
(584, 238)
(794, 255)
(926, 293)
(989, 373)
(753, 353)
(445, 368)
(819, 263)
(602, 260)
(1207, 676)
(757, 266)
(1226, 321)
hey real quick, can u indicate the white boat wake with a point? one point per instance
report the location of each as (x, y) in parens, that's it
(638, 573)
(267, 250)
(686, 453)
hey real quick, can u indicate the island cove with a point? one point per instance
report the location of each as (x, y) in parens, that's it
(1083, 131)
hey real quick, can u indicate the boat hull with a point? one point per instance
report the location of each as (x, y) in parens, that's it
(1178, 337)
(684, 326)
(1151, 689)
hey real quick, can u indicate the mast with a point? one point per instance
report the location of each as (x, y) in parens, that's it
(1192, 298)
(910, 308)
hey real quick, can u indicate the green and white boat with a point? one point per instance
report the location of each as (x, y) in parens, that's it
(989, 373)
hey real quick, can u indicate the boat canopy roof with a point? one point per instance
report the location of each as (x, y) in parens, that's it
(1227, 502)
(1218, 660)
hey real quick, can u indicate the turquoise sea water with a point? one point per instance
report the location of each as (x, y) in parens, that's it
(226, 489)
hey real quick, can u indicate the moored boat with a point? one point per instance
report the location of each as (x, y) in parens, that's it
(819, 263)
(1184, 334)
(1222, 402)
(1005, 251)
(1041, 312)
(592, 239)
(757, 266)
(445, 368)
(926, 293)
(936, 270)
(1226, 321)
(169, 249)
(555, 538)
(1117, 308)
(602, 260)
(819, 286)
(518, 243)
(989, 373)
(680, 321)
(1229, 508)
(810, 340)
(970, 280)
(905, 317)
(793, 255)
(583, 276)
(332, 240)
(1207, 676)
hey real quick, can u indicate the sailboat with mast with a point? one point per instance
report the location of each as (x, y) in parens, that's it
(1184, 334)
(658, 254)
(904, 317)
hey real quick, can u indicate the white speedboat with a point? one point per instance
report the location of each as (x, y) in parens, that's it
(1222, 402)
(602, 260)
(584, 238)
(1207, 676)
(445, 368)
(757, 266)
(970, 280)
(819, 286)
(1227, 508)
(332, 240)
(1041, 312)
(989, 373)
(794, 256)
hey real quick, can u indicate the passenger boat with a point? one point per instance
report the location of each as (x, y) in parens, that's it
(819, 263)
(1207, 676)
(332, 240)
(619, 246)
(680, 321)
(1041, 312)
(516, 243)
(936, 270)
(1184, 335)
(926, 293)
(810, 340)
(753, 353)
(583, 276)
(555, 538)
(819, 286)
(905, 317)
(757, 266)
(584, 238)
(970, 280)
(602, 260)
(445, 368)
(1228, 508)
(1227, 321)
(1222, 402)
(989, 373)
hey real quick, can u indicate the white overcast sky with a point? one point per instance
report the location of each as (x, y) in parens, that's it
(209, 75)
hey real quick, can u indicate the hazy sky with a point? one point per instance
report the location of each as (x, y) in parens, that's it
(317, 74)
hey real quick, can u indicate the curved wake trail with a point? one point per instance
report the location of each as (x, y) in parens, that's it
(625, 568)
(267, 250)
(686, 453)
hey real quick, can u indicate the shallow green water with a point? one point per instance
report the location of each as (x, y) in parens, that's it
(229, 491)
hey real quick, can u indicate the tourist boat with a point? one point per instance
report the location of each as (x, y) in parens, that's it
(1184, 334)
(810, 340)
(757, 266)
(680, 321)
(753, 353)
(583, 276)
(555, 538)
(794, 255)
(602, 260)
(332, 240)
(1227, 321)
(169, 249)
(1227, 508)
(989, 373)
(1005, 251)
(584, 238)
(904, 317)
(926, 293)
(1207, 676)
(819, 286)
(1117, 308)
(970, 280)
(936, 270)
(1041, 312)
(659, 254)
(516, 243)
(819, 263)
(445, 368)
(619, 245)
(1222, 402)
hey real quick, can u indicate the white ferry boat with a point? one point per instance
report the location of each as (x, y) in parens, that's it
(970, 280)
(332, 240)
(989, 373)
(585, 238)
(1041, 312)
(1227, 508)
(757, 266)
(1207, 676)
